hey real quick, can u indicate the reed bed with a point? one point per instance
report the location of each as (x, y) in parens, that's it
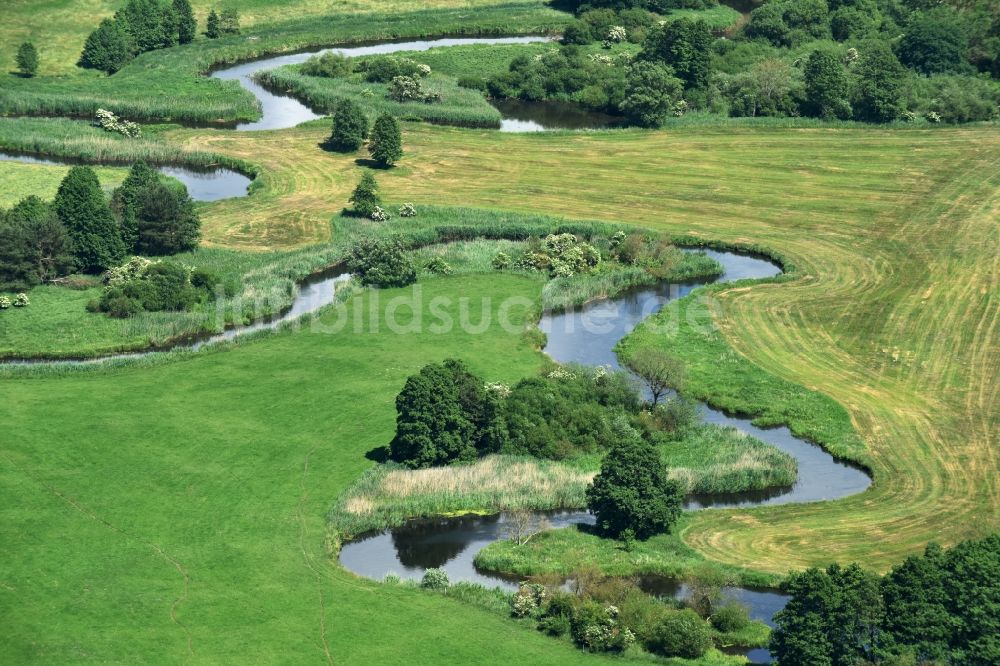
(720, 459)
(388, 495)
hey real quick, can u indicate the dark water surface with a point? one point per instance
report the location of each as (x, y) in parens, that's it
(202, 184)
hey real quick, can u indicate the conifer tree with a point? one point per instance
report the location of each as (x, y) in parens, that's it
(83, 209)
(386, 145)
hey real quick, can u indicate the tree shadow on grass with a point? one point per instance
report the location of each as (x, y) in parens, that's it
(372, 164)
(379, 454)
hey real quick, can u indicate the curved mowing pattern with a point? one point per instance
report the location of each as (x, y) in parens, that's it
(894, 315)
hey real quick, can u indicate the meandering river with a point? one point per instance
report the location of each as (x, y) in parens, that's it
(588, 336)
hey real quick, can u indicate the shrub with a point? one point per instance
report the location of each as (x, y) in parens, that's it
(331, 65)
(21, 300)
(4, 302)
(439, 266)
(392, 579)
(681, 634)
(501, 261)
(406, 89)
(730, 618)
(380, 214)
(633, 491)
(156, 287)
(383, 69)
(435, 579)
(108, 121)
(596, 627)
(365, 197)
(407, 210)
(577, 32)
(130, 270)
(528, 600)
(350, 127)
(382, 262)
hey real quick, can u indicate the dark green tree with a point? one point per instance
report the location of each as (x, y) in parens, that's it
(826, 86)
(149, 24)
(806, 16)
(935, 42)
(577, 32)
(168, 223)
(386, 145)
(800, 635)
(442, 416)
(187, 24)
(34, 245)
(382, 262)
(212, 30)
(83, 209)
(878, 93)
(229, 21)
(27, 59)
(350, 127)
(128, 199)
(854, 624)
(916, 606)
(365, 197)
(686, 46)
(972, 582)
(768, 22)
(651, 89)
(632, 492)
(681, 633)
(108, 48)
(850, 23)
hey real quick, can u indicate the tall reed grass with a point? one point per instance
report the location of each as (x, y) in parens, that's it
(387, 495)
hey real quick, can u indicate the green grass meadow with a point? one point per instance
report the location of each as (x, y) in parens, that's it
(176, 513)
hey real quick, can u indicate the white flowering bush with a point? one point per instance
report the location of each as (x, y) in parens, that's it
(367, 92)
(501, 261)
(617, 239)
(560, 373)
(435, 579)
(933, 116)
(407, 210)
(110, 122)
(380, 214)
(680, 108)
(851, 55)
(608, 634)
(498, 389)
(4, 302)
(423, 70)
(128, 271)
(617, 34)
(21, 300)
(527, 600)
(601, 59)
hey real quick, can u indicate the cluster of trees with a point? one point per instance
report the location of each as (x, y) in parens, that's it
(82, 230)
(141, 285)
(350, 130)
(139, 26)
(942, 607)
(446, 414)
(869, 60)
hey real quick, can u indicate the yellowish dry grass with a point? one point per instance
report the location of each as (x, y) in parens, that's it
(895, 314)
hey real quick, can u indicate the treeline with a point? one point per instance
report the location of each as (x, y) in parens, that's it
(869, 60)
(82, 230)
(147, 25)
(942, 607)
